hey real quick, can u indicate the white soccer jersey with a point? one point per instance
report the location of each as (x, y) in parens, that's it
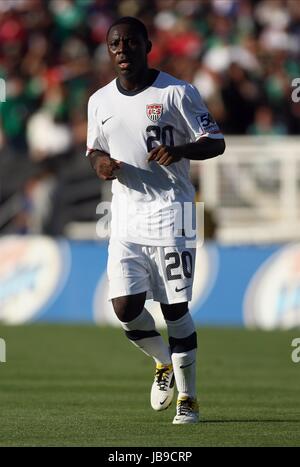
(127, 125)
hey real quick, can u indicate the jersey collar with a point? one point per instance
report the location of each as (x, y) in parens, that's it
(152, 77)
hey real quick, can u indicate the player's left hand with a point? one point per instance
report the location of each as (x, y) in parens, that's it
(164, 155)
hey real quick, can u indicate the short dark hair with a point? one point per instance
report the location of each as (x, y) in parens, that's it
(136, 23)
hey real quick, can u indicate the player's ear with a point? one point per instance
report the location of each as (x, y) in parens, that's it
(148, 46)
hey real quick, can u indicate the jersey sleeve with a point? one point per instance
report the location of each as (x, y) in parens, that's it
(95, 136)
(199, 121)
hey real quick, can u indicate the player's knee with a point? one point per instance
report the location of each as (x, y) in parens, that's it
(174, 311)
(129, 307)
(121, 307)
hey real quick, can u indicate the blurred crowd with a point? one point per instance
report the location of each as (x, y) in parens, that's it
(242, 55)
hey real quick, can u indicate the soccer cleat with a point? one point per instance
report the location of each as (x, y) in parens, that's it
(187, 411)
(163, 387)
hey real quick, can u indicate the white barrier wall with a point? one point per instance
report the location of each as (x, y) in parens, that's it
(254, 189)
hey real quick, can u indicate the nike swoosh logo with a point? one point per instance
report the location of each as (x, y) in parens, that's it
(104, 121)
(161, 403)
(179, 290)
(185, 366)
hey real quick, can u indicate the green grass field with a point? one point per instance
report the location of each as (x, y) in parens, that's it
(88, 386)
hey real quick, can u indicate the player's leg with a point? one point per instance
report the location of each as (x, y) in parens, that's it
(183, 345)
(140, 329)
(128, 282)
(172, 277)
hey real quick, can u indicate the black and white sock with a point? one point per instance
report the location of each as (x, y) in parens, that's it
(183, 345)
(141, 332)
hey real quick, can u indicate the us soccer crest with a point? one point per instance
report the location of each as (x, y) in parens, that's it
(154, 111)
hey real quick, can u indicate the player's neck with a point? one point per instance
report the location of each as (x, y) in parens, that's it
(134, 83)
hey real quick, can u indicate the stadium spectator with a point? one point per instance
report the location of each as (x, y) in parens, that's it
(264, 123)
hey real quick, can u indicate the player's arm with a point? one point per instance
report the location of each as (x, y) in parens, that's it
(99, 157)
(204, 148)
(103, 164)
(206, 139)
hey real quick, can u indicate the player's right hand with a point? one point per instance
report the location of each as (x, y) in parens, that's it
(104, 166)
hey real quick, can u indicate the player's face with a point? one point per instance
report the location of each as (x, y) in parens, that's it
(127, 49)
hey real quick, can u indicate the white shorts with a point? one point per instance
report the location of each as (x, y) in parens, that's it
(165, 273)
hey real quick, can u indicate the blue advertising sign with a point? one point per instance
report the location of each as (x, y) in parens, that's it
(42, 279)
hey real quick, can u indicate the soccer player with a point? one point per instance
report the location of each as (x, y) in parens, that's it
(143, 127)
